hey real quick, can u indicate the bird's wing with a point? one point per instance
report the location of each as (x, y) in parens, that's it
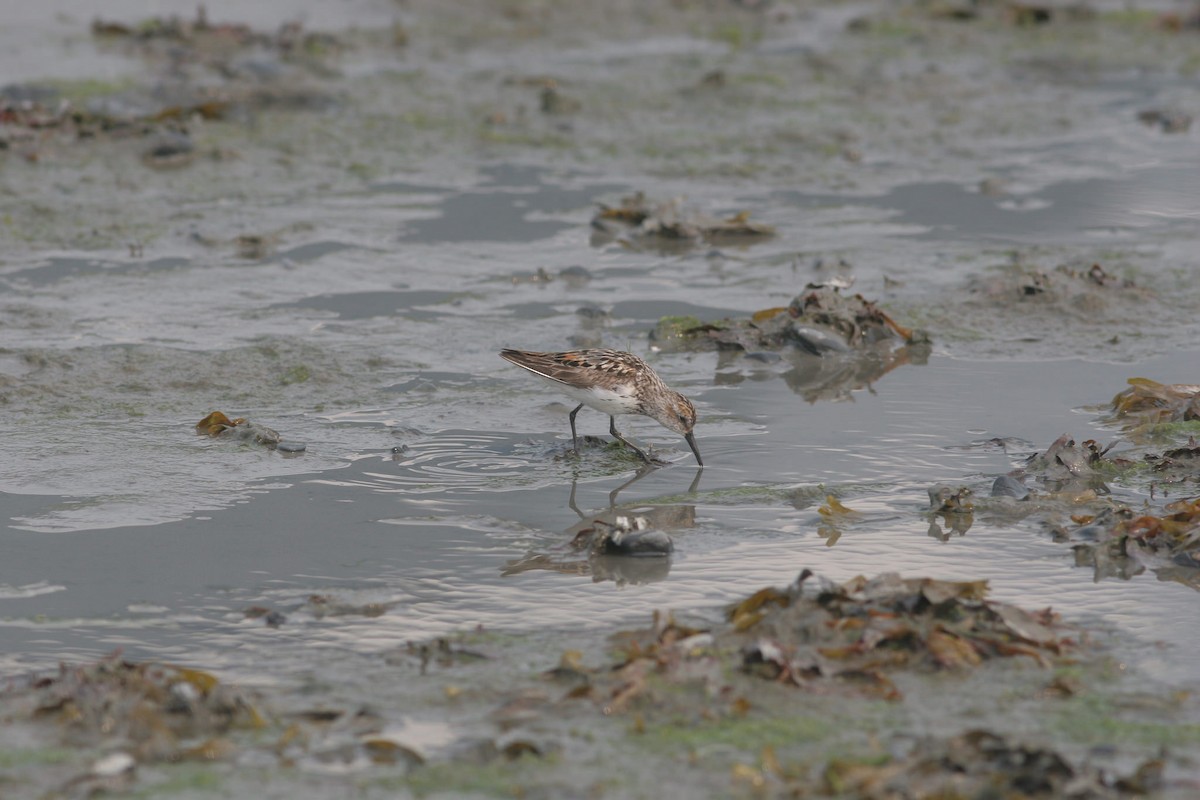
(571, 368)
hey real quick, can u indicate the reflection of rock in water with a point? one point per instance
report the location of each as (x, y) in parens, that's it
(624, 544)
(623, 570)
(829, 377)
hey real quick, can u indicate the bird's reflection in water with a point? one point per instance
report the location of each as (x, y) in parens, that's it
(626, 544)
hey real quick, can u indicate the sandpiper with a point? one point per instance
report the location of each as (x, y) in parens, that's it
(614, 382)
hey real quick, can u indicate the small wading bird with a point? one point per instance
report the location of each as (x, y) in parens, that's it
(614, 382)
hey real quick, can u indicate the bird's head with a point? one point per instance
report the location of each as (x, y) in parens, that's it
(679, 415)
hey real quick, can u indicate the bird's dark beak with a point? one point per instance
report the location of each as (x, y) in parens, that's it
(691, 440)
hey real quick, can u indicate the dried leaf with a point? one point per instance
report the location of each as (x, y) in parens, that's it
(203, 681)
(744, 773)
(754, 602)
(952, 652)
(767, 314)
(216, 749)
(1026, 626)
(834, 507)
(385, 750)
(938, 592)
(215, 423)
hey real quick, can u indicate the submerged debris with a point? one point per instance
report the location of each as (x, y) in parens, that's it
(617, 545)
(1069, 467)
(945, 499)
(1010, 486)
(217, 424)
(1166, 120)
(955, 506)
(624, 536)
(670, 221)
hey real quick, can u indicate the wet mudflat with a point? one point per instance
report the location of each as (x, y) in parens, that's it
(984, 569)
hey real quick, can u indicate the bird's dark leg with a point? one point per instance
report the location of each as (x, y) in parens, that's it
(612, 428)
(574, 441)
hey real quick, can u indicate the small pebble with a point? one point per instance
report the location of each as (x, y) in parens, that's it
(113, 765)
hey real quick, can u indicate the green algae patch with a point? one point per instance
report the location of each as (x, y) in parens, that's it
(1096, 718)
(184, 778)
(496, 779)
(34, 757)
(297, 374)
(751, 733)
(673, 327)
(84, 89)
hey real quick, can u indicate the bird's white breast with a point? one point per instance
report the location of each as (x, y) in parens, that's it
(612, 400)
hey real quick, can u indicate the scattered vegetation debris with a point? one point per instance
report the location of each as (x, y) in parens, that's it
(820, 320)
(270, 616)
(553, 101)
(200, 36)
(1176, 22)
(171, 150)
(1147, 404)
(670, 221)
(841, 638)
(855, 633)
(151, 711)
(323, 605)
(243, 71)
(1066, 466)
(956, 508)
(833, 515)
(1026, 14)
(218, 425)
(443, 653)
(945, 499)
(1123, 544)
(981, 763)
(325, 738)
(255, 246)
(1112, 538)
(1166, 120)
(28, 122)
(1079, 292)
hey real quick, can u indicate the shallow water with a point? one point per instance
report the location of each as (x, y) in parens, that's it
(429, 531)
